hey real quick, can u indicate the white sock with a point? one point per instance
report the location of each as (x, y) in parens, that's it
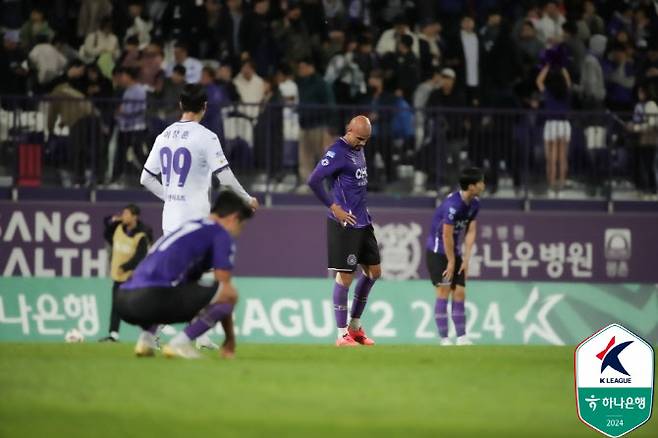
(114, 335)
(355, 323)
(342, 331)
(179, 339)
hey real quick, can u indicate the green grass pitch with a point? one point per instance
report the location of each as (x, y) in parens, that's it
(100, 390)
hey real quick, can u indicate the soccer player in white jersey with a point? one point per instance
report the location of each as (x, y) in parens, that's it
(186, 156)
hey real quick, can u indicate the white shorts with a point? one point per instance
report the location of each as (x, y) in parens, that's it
(557, 129)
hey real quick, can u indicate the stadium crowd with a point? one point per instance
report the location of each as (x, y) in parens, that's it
(410, 56)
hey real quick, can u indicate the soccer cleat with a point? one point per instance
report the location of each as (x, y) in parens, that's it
(346, 341)
(360, 336)
(144, 349)
(463, 340)
(446, 341)
(204, 341)
(185, 351)
(108, 339)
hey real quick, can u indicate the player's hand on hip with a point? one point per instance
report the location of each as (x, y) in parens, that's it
(342, 216)
(254, 204)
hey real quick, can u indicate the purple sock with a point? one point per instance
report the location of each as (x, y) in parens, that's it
(459, 317)
(207, 318)
(340, 305)
(441, 316)
(361, 296)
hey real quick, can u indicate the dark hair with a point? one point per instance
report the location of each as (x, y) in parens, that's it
(181, 45)
(133, 72)
(285, 69)
(407, 41)
(180, 69)
(470, 175)
(133, 209)
(228, 202)
(132, 40)
(308, 61)
(193, 98)
(209, 71)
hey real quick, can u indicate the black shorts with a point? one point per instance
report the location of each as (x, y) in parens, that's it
(163, 305)
(348, 247)
(437, 263)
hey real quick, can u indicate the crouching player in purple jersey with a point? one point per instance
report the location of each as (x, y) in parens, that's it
(350, 235)
(446, 266)
(165, 288)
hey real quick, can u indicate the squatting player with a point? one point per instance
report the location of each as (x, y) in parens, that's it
(447, 268)
(350, 235)
(187, 156)
(164, 288)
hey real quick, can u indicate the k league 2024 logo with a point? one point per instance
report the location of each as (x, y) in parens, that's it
(614, 373)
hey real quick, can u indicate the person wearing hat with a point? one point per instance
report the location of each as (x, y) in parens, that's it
(130, 239)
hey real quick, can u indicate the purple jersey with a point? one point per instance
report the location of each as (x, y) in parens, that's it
(345, 167)
(452, 211)
(184, 255)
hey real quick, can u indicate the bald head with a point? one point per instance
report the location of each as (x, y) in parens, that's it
(358, 131)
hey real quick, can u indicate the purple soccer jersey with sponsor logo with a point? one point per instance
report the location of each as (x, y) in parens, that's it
(452, 211)
(345, 168)
(184, 255)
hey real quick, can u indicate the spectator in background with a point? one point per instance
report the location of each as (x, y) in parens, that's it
(344, 76)
(313, 91)
(216, 100)
(192, 65)
(645, 126)
(131, 56)
(100, 42)
(233, 31)
(529, 47)
(151, 64)
(388, 41)
(429, 47)
(619, 72)
(621, 20)
(251, 88)
(365, 57)
(131, 120)
(140, 25)
(259, 41)
(403, 68)
(591, 86)
(166, 95)
(98, 86)
(549, 27)
(292, 36)
(224, 80)
(465, 59)
(591, 22)
(46, 61)
(648, 66)
(92, 15)
(290, 96)
(642, 27)
(209, 31)
(13, 77)
(554, 83)
(445, 136)
(35, 27)
(575, 49)
(70, 109)
(130, 239)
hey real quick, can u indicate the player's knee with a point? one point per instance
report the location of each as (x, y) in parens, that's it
(344, 278)
(459, 293)
(374, 272)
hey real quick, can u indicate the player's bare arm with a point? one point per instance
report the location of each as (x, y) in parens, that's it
(449, 246)
(469, 240)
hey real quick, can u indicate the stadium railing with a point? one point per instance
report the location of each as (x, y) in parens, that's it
(80, 142)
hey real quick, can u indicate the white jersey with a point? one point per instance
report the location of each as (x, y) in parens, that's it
(186, 155)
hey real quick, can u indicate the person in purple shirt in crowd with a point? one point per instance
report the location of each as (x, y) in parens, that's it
(165, 288)
(350, 236)
(445, 263)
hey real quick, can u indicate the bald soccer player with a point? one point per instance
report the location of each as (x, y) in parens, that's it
(350, 236)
